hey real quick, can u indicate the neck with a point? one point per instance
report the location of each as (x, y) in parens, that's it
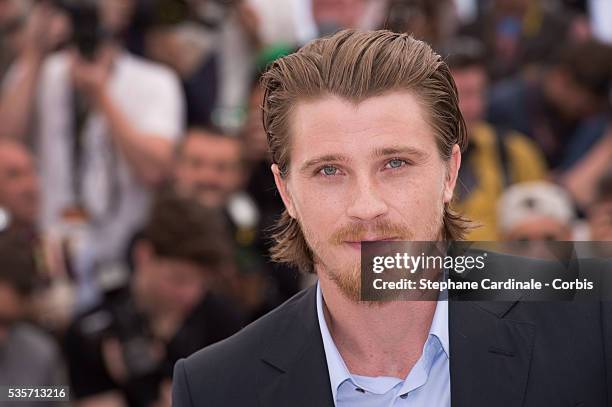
(382, 339)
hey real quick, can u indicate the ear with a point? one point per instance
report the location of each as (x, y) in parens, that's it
(453, 173)
(281, 185)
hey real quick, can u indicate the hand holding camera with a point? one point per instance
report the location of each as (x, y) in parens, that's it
(90, 77)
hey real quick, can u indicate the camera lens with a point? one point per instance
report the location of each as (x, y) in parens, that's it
(5, 219)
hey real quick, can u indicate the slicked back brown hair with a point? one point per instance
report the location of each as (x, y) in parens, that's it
(357, 65)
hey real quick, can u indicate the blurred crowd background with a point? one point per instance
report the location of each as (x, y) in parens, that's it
(135, 189)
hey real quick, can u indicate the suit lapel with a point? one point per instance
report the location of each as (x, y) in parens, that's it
(294, 369)
(489, 362)
(489, 355)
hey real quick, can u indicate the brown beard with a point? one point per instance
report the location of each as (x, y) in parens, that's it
(349, 281)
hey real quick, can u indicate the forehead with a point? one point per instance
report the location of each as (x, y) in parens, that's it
(12, 154)
(473, 72)
(204, 143)
(333, 123)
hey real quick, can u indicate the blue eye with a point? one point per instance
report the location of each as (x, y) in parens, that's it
(329, 170)
(395, 163)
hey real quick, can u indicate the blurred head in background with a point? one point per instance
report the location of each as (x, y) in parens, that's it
(116, 15)
(19, 188)
(578, 84)
(430, 21)
(333, 15)
(466, 61)
(183, 247)
(12, 11)
(17, 278)
(535, 211)
(209, 166)
(599, 213)
(512, 7)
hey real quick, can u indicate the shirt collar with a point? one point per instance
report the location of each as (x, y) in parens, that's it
(339, 373)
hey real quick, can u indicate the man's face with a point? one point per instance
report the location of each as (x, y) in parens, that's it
(171, 285)
(568, 97)
(116, 14)
(7, 10)
(539, 229)
(471, 85)
(532, 237)
(11, 310)
(209, 168)
(19, 193)
(365, 172)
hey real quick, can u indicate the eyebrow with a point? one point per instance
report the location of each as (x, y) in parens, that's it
(415, 153)
(327, 158)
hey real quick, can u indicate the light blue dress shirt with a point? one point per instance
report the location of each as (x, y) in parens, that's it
(427, 384)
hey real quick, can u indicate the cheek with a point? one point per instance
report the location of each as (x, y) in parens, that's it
(189, 295)
(416, 198)
(319, 201)
(320, 208)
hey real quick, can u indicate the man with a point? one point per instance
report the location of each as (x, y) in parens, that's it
(210, 168)
(536, 211)
(33, 30)
(563, 107)
(534, 215)
(519, 33)
(28, 357)
(107, 124)
(366, 137)
(495, 157)
(122, 350)
(19, 193)
(20, 205)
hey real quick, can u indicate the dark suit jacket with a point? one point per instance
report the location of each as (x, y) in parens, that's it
(530, 354)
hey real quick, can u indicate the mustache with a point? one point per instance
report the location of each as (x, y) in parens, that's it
(355, 232)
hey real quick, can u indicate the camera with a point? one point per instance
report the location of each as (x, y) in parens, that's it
(121, 320)
(87, 30)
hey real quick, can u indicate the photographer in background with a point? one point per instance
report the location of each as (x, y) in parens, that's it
(19, 189)
(211, 45)
(107, 122)
(210, 169)
(19, 208)
(496, 156)
(28, 357)
(122, 351)
(28, 33)
(563, 107)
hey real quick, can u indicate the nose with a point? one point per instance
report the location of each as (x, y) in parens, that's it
(368, 203)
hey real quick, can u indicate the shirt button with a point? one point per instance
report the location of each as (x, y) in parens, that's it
(404, 396)
(360, 390)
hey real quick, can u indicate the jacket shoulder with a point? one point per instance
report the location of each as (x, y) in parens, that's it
(235, 359)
